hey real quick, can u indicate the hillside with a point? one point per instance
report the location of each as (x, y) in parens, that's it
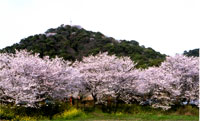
(194, 52)
(74, 42)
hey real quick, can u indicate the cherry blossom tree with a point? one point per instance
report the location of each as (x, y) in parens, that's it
(30, 79)
(154, 87)
(174, 82)
(185, 72)
(105, 75)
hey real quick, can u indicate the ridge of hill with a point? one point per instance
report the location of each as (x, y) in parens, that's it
(74, 42)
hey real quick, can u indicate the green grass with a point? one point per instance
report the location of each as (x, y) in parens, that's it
(149, 115)
(125, 113)
(135, 117)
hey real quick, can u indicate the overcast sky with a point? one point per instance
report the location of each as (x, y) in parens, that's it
(168, 26)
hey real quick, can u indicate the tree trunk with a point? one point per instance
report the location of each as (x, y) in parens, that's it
(94, 101)
(117, 104)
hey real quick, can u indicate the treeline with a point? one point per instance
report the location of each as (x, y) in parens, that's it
(73, 42)
(194, 52)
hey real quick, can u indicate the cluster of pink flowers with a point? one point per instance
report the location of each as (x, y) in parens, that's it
(28, 78)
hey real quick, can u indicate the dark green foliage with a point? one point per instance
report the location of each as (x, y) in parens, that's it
(194, 52)
(11, 111)
(73, 43)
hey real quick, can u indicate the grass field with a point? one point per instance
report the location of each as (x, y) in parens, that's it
(100, 116)
(124, 113)
(145, 117)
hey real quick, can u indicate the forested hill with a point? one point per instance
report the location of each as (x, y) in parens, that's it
(194, 52)
(74, 42)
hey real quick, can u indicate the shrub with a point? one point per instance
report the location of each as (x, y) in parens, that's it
(24, 118)
(5, 113)
(187, 110)
(70, 114)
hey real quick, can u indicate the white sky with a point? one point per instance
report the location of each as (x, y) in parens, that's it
(168, 26)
